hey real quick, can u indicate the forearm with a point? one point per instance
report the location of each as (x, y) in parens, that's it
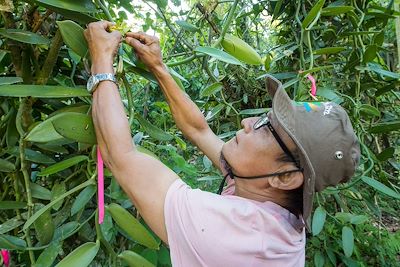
(110, 121)
(186, 114)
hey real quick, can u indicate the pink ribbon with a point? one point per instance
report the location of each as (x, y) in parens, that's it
(6, 257)
(100, 186)
(313, 90)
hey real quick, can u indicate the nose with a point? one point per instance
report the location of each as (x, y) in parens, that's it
(247, 125)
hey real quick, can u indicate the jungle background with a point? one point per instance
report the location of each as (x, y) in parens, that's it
(48, 204)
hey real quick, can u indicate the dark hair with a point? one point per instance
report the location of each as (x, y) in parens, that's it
(294, 197)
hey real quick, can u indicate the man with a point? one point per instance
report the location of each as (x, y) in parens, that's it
(273, 166)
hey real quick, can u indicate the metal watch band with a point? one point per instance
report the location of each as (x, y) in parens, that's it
(95, 79)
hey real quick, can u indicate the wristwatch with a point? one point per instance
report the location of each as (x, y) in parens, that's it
(95, 79)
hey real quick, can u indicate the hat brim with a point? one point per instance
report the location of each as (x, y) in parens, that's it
(284, 110)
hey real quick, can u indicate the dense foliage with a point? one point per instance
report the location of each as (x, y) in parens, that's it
(47, 146)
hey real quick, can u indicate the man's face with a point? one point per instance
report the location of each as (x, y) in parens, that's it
(254, 152)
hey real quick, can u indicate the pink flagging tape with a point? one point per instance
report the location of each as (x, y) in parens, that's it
(100, 186)
(6, 257)
(313, 85)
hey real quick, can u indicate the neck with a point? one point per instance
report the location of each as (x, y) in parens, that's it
(252, 190)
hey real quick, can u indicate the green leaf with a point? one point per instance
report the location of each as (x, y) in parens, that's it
(42, 91)
(385, 127)
(44, 226)
(239, 49)
(11, 242)
(52, 203)
(82, 199)
(370, 53)
(319, 259)
(211, 89)
(152, 130)
(40, 192)
(347, 241)
(57, 190)
(277, 9)
(73, 36)
(62, 165)
(378, 69)
(336, 10)
(48, 256)
(370, 110)
(386, 154)
(24, 36)
(254, 111)
(6, 166)
(187, 26)
(330, 94)
(313, 15)
(12, 205)
(81, 256)
(134, 260)
(76, 126)
(214, 111)
(218, 54)
(10, 224)
(10, 80)
(329, 50)
(82, 6)
(72, 9)
(66, 230)
(380, 187)
(132, 226)
(358, 219)
(318, 220)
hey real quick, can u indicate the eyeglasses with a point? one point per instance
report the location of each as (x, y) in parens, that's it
(264, 121)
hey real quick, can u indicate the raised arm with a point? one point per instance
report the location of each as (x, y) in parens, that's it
(186, 114)
(144, 179)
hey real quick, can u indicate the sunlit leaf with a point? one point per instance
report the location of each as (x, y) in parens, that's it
(41, 91)
(75, 126)
(62, 165)
(134, 260)
(218, 54)
(81, 256)
(152, 130)
(187, 26)
(318, 220)
(380, 187)
(211, 89)
(73, 36)
(313, 14)
(347, 240)
(24, 36)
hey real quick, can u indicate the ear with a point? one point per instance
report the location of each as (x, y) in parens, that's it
(287, 181)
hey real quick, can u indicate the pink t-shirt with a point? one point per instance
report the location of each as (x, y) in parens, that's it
(206, 229)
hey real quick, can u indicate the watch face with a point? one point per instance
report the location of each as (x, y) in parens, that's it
(91, 83)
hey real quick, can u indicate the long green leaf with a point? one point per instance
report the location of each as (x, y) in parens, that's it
(380, 187)
(211, 89)
(73, 36)
(187, 26)
(313, 14)
(218, 54)
(48, 256)
(134, 260)
(336, 10)
(76, 126)
(84, 196)
(40, 192)
(6, 166)
(329, 50)
(62, 165)
(11, 242)
(24, 36)
(132, 226)
(10, 224)
(81, 256)
(10, 80)
(318, 220)
(51, 204)
(152, 130)
(12, 205)
(42, 91)
(385, 127)
(347, 241)
(82, 6)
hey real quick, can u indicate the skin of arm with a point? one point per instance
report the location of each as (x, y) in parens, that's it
(144, 179)
(186, 114)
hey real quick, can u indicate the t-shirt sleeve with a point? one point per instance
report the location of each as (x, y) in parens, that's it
(197, 221)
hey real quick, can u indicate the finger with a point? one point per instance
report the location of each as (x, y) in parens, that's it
(136, 44)
(143, 37)
(101, 24)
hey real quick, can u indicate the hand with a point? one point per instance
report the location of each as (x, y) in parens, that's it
(103, 46)
(147, 49)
